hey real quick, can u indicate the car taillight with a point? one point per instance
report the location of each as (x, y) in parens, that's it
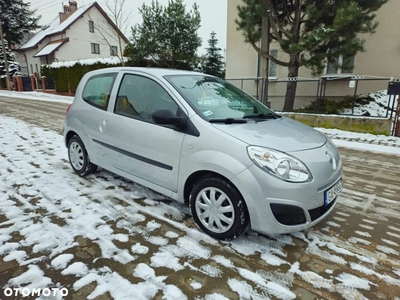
(69, 106)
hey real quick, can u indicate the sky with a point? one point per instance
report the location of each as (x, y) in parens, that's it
(213, 14)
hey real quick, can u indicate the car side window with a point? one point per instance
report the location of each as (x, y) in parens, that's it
(97, 90)
(139, 97)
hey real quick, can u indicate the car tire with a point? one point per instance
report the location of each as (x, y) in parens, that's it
(78, 157)
(218, 208)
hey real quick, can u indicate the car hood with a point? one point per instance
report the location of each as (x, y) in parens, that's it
(282, 134)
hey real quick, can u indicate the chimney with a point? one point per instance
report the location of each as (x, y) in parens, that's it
(68, 10)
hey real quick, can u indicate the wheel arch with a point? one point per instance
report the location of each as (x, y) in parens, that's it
(196, 176)
(69, 135)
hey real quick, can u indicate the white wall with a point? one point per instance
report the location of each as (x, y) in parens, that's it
(80, 38)
(241, 58)
(380, 58)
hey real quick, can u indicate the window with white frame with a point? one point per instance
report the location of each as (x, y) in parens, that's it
(272, 65)
(91, 26)
(95, 48)
(341, 65)
(113, 50)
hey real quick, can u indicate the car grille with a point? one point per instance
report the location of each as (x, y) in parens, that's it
(318, 212)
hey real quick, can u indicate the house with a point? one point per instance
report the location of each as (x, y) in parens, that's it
(76, 33)
(373, 67)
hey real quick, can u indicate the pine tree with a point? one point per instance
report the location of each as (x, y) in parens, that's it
(167, 36)
(17, 19)
(311, 32)
(214, 64)
(13, 66)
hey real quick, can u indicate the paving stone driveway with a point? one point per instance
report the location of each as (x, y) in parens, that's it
(104, 237)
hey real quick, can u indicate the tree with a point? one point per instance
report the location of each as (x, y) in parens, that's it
(214, 64)
(167, 36)
(311, 32)
(17, 19)
(13, 66)
(120, 15)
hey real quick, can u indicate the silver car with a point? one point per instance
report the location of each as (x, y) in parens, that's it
(202, 141)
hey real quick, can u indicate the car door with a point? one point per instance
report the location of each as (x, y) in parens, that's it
(96, 95)
(141, 147)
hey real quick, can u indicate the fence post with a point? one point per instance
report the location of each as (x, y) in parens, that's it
(317, 98)
(15, 83)
(33, 83)
(257, 94)
(44, 83)
(265, 95)
(354, 98)
(69, 89)
(321, 94)
(20, 84)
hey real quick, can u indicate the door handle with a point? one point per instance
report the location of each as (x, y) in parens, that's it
(103, 126)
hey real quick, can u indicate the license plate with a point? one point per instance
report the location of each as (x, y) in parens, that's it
(332, 193)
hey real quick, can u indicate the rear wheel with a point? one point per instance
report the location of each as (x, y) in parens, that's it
(78, 157)
(218, 208)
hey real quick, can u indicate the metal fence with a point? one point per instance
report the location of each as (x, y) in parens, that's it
(340, 95)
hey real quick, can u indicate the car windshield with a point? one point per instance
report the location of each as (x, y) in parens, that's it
(217, 100)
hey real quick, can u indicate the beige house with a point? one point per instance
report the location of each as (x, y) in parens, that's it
(76, 33)
(381, 60)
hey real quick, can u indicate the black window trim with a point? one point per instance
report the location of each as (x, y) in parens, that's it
(93, 49)
(189, 128)
(132, 117)
(91, 26)
(112, 52)
(105, 108)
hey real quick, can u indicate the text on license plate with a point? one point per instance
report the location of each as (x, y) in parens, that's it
(332, 193)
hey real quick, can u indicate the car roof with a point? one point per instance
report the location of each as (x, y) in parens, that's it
(158, 72)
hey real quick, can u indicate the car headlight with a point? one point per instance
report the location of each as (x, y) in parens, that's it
(279, 164)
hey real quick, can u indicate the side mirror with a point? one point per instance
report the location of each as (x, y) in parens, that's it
(166, 117)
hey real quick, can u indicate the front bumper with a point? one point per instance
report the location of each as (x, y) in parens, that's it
(277, 207)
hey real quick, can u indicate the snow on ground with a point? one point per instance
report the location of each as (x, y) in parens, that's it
(37, 96)
(36, 176)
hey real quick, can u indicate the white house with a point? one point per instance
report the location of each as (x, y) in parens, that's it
(77, 33)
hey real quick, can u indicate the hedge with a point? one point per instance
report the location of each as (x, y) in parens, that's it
(71, 75)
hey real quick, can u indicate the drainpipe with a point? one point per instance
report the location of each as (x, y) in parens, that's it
(26, 60)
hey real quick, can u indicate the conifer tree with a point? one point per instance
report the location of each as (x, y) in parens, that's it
(17, 19)
(13, 66)
(214, 64)
(310, 32)
(167, 36)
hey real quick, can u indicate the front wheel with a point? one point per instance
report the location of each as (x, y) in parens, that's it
(78, 157)
(218, 208)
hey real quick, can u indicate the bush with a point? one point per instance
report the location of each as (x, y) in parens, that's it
(335, 107)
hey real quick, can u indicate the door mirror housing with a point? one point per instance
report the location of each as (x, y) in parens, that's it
(166, 117)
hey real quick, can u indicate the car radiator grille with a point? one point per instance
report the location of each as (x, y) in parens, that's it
(318, 212)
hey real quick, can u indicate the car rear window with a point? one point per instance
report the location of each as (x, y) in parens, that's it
(97, 90)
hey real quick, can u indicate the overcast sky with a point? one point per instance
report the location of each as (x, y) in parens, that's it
(213, 14)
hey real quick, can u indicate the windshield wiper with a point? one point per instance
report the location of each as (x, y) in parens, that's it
(228, 121)
(262, 116)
